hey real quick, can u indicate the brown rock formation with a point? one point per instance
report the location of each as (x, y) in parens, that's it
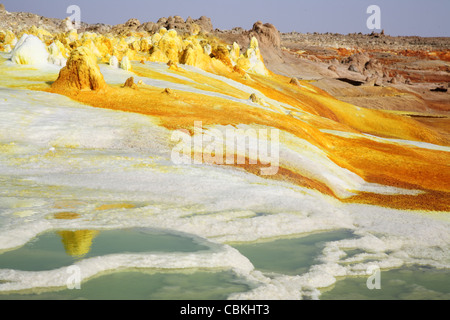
(267, 35)
(130, 83)
(255, 99)
(294, 81)
(269, 40)
(374, 66)
(130, 26)
(203, 24)
(150, 27)
(168, 92)
(332, 68)
(357, 62)
(132, 23)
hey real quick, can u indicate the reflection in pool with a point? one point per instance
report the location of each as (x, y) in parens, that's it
(77, 243)
(54, 250)
(62, 248)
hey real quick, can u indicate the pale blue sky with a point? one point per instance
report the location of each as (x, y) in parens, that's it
(398, 17)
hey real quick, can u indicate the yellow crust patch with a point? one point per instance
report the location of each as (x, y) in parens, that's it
(115, 206)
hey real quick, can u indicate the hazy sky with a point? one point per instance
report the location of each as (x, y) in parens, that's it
(398, 17)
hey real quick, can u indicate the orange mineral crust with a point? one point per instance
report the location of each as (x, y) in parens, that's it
(427, 201)
(229, 89)
(388, 164)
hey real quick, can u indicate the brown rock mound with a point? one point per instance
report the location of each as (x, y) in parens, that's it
(294, 81)
(267, 35)
(169, 92)
(132, 23)
(332, 68)
(255, 99)
(148, 27)
(130, 83)
(80, 73)
(375, 67)
(357, 62)
(203, 24)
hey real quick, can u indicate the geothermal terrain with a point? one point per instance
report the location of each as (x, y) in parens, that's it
(90, 119)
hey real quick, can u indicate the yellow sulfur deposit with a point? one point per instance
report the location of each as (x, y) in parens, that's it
(238, 89)
(209, 54)
(171, 45)
(81, 72)
(253, 60)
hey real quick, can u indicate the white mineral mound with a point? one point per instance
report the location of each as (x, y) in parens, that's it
(114, 62)
(30, 50)
(125, 64)
(56, 57)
